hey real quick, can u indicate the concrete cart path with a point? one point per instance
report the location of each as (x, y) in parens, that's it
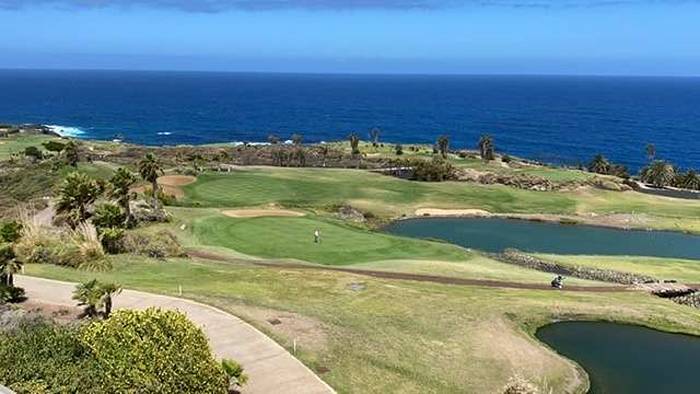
(270, 368)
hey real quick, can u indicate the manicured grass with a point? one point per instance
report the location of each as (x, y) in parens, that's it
(687, 271)
(292, 237)
(395, 336)
(381, 194)
(391, 197)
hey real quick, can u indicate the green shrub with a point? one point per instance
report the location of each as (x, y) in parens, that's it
(112, 240)
(435, 170)
(234, 371)
(33, 152)
(155, 351)
(54, 146)
(38, 356)
(10, 231)
(108, 215)
(159, 245)
(11, 294)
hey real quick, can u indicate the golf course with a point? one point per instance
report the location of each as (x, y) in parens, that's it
(372, 311)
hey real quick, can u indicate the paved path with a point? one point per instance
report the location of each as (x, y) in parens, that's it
(270, 367)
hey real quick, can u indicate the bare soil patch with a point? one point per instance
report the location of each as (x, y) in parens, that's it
(170, 184)
(59, 313)
(308, 332)
(176, 180)
(254, 213)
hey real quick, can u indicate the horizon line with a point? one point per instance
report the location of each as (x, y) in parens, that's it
(358, 73)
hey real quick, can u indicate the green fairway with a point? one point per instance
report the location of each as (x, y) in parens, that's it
(687, 271)
(374, 335)
(389, 197)
(278, 237)
(379, 193)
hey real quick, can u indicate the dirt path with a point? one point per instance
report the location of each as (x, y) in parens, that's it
(271, 369)
(415, 277)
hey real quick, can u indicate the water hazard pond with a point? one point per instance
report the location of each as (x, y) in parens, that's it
(495, 235)
(624, 359)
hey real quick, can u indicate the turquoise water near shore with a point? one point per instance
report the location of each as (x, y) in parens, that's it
(555, 119)
(495, 235)
(624, 359)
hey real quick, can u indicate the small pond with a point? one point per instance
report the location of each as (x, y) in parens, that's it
(623, 359)
(496, 234)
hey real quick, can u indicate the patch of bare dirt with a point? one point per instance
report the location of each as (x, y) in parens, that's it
(176, 180)
(58, 313)
(308, 332)
(254, 213)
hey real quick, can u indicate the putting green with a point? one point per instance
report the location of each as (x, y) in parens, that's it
(292, 237)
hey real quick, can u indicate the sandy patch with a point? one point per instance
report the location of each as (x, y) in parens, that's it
(170, 184)
(176, 180)
(452, 212)
(254, 213)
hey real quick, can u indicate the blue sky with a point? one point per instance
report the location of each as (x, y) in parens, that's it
(628, 37)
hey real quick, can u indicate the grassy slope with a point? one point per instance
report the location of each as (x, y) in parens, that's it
(390, 197)
(395, 336)
(687, 271)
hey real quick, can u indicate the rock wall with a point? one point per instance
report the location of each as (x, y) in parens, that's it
(512, 256)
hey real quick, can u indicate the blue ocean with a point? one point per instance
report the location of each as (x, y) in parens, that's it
(554, 119)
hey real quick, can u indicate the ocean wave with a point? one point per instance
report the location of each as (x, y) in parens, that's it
(66, 131)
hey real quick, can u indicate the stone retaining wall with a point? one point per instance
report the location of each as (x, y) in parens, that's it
(692, 300)
(512, 256)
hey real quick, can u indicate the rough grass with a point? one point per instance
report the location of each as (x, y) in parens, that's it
(398, 336)
(17, 143)
(687, 271)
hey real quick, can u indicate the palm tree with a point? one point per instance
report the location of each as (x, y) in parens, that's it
(77, 194)
(150, 170)
(89, 295)
(9, 265)
(94, 295)
(658, 173)
(599, 165)
(297, 139)
(273, 139)
(650, 151)
(121, 183)
(443, 143)
(374, 135)
(355, 146)
(689, 180)
(486, 147)
(108, 291)
(354, 143)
